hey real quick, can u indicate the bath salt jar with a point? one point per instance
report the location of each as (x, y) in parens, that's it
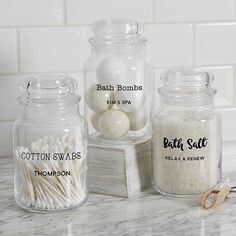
(50, 146)
(187, 137)
(118, 82)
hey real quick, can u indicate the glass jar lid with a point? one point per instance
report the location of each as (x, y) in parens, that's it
(49, 90)
(193, 83)
(120, 31)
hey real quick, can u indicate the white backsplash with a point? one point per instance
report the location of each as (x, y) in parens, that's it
(50, 36)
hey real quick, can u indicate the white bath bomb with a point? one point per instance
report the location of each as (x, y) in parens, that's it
(136, 73)
(130, 101)
(113, 124)
(138, 119)
(97, 99)
(94, 120)
(111, 71)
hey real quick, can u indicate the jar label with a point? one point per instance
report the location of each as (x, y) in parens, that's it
(186, 152)
(52, 172)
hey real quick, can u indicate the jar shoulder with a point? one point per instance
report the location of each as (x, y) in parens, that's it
(93, 60)
(184, 114)
(76, 120)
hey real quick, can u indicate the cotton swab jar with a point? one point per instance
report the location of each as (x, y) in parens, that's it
(50, 146)
(118, 80)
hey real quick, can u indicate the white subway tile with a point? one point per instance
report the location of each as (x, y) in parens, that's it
(224, 83)
(8, 55)
(79, 79)
(31, 12)
(9, 91)
(229, 127)
(216, 43)
(89, 11)
(169, 45)
(6, 139)
(53, 49)
(194, 10)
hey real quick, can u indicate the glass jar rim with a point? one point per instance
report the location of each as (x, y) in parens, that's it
(48, 90)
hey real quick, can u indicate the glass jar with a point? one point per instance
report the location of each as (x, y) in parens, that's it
(187, 135)
(118, 81)
(50, 146)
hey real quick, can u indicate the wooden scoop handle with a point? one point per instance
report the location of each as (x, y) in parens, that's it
(218, 194)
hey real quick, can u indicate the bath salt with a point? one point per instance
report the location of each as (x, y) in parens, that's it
(186, 151)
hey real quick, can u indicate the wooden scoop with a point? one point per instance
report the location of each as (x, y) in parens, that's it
(213, 197)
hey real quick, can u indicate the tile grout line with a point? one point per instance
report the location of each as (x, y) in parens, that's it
(234, 85)
(194, 22)
(65, 13)
(146, 23)
(154, 11)
(81, 71)
(46, 26)
(18, 50)
(198, 65)
(41, 73)
(235, 10)
(194, 46)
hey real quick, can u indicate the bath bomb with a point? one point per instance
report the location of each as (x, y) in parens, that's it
(111, 71)
(94, 120)
(138, 119)
(136, 73)
(97, 99)
(113, 124)
(130, 101)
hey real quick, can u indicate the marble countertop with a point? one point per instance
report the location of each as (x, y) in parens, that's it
(149, 214)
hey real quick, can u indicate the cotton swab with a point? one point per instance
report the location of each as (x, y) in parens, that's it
(52, 192)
